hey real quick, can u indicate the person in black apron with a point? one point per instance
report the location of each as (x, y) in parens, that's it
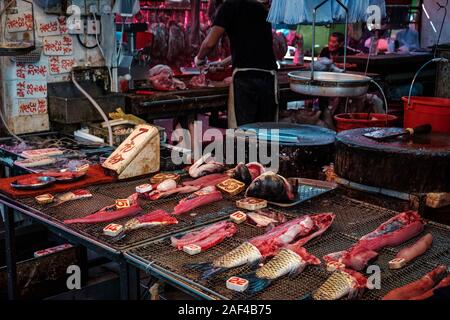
(254, 90)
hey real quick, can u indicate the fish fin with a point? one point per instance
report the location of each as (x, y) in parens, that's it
(207, 268)
(255, 264)
(256, 284)
(306, 297)
(295, 272)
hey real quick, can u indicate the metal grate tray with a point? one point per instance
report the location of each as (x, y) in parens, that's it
(354, 219)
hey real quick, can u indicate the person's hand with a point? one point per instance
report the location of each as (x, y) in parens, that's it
(199, 62)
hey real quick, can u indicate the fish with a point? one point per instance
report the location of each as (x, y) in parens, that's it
(410, 253)
(265, 218)
(110, 213)
(208, 180)
(445, 283)
(391, 233)
(205, 165)
(72, 196)
(244, 254)
(197, 199)
(267, 245)
(247, 172)
(419, 287)
(342, 283)
(167, 185)
(206, 237)
(272, 187)
(158, 194)
(151, 219)
(290, 261)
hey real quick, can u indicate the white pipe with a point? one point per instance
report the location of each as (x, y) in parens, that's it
(384, 96)
(95, 104)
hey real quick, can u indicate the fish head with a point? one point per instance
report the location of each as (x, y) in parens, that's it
(270, 186)
(242, 173)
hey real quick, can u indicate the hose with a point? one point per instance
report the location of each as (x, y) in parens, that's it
(102, 52)
(384, 97)
(95, 104)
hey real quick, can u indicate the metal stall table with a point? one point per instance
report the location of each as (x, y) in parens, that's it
(354, 219)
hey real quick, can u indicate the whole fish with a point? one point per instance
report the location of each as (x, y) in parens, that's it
(110, 213)
(151, 219)
(393, 232)
(272, 187)
(342, 283)
(267, 245)
(205, 165)
(288, 261)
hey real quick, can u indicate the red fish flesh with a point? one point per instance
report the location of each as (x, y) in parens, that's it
(392, 233)
(207, 181)
(110, 213)
(417, 249)
(443, 284)
(198, 199)
(267, 245)
(156, 194)
(419, 287)
(151, 219)
(266, 218)
(305, 227)
(207, 237)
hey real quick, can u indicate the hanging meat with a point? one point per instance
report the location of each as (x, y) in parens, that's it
(176, 44)
(280, 46)
(160, 42)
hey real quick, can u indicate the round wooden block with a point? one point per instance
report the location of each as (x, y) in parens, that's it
(408, 164)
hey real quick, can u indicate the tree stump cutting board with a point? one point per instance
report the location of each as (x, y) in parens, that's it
(412, 165)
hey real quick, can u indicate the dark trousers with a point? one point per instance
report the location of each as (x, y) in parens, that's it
(254, 97)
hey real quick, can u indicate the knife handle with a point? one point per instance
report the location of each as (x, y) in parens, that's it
(423, 129)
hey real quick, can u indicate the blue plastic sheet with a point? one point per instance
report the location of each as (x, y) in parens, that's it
(301, 11)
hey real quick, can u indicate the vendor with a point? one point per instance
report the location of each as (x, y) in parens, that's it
(336, 47)
(253, 93)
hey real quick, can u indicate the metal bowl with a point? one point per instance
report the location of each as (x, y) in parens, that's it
(43, 182)
(329, 84)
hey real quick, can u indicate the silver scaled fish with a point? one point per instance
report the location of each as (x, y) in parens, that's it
(342, 283)
(289, 261)
(245, 254)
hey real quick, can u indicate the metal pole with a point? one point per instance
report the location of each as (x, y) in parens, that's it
(314, 36)
(10, 244)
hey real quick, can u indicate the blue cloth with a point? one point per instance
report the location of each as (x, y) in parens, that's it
(301, 11)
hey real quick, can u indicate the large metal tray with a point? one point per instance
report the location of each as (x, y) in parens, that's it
(329, 84)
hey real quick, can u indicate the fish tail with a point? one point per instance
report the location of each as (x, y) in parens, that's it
(208, 269)
(255, 284)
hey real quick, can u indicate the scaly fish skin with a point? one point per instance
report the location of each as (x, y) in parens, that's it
(286, 261)
(339, 285)
(246, 253)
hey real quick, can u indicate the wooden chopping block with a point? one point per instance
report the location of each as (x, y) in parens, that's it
(138, 155)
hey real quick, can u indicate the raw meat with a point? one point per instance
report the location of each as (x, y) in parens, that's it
(209, 180)
(176, 43)
(419, 287)
(155, 218)
(155, 195)
(393, 232)
(207, 237)
(110, 213)
(198, 199)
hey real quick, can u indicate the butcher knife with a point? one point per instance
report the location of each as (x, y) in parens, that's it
(389, 133)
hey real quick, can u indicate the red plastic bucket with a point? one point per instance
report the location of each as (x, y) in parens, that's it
(426, 110)
(348, 121)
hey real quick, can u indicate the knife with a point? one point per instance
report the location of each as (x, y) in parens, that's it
(389, 133)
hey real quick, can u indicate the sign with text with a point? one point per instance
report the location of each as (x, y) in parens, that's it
(58, 46)
(29, 71)
(48, 27)
(19, 22)
(60, 65)
(28, 107)
(28, 89)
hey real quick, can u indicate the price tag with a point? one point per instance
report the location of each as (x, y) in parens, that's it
(237, 284)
